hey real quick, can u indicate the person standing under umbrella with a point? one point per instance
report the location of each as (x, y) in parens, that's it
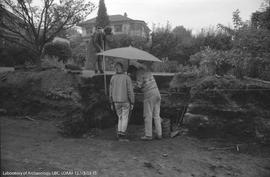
(122, 99)
(151, 103)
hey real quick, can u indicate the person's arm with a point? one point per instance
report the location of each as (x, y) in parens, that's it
(130, 91)
(139, 80)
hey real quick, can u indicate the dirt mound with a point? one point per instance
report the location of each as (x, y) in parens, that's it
(226, 106)
(41, 93)
(55, 94)
(216, 106)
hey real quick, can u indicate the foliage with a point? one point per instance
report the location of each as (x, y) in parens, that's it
(215, 39)
(252, 43)
(163, 42)
(124, 40)
(235, 61)
(15, 55)
(219, 62)
(102, 19)
(37, 25)
(179, 44)
(168, 66)
(78, 50)
(57, 49)
(174, 67)
(261, 19)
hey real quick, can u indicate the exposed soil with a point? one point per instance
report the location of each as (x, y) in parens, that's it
(36, 146)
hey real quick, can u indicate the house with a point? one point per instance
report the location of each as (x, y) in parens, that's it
(120, 24)
(11, 21)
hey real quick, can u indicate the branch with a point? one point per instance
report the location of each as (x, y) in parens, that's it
(22, 16)
(58, 29)
(29, 19)
(47, 5)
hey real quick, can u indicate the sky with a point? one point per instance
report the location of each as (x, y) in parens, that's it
(192, 14)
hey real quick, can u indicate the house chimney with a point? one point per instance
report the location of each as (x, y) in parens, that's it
(125, 14)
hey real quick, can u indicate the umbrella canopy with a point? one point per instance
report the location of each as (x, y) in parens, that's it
(130, 53)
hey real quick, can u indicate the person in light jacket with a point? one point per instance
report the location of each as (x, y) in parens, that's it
(122, 99)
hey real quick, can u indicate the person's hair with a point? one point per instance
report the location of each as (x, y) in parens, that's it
(120, 64)
(132, 69)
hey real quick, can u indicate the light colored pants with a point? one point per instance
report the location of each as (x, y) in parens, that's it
(122, 111)
(151, 109)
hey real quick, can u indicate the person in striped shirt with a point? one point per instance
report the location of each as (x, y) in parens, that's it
(151, 103)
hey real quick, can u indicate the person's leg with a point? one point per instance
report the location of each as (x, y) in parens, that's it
(100, 61)
(125, 114)
(147, 113)
(118, 109)
(95, 66)
(156, 116)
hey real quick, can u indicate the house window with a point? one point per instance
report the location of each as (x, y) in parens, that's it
(118, 28)
(136, 27)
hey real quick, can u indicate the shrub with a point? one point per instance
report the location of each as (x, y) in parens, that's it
(57, 49)
(167, 66)
(212, 61)
(235, 61)
(15, 55)
(78, 50)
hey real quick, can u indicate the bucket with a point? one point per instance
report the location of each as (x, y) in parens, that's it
(166, 128)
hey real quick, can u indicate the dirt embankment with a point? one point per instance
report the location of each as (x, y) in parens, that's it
(46, 94)
(74, 104)
(216, 106)
(54, 94)
(226, 107)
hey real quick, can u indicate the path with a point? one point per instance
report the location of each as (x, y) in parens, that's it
(36, 146)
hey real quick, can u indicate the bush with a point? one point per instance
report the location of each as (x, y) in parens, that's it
(57, 49)
(78, 50)
(237, 62)
(167, 66)
(212, 61)
(259, 67)
(15, 55)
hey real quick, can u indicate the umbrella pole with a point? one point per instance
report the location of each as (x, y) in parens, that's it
(105, 83)
(104, 67)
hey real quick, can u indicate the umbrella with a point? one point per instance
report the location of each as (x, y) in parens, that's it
(130, 53)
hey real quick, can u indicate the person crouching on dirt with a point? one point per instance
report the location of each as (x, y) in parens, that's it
(151, 103)
(122, 99)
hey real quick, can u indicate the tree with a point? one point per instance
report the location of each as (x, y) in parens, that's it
(163, 42)
(102, 19)
(185, 44)
(38, 25)
(213, 38)
(260, 19)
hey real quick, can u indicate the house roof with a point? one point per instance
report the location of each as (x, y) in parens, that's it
(6, 13)
(112, 18)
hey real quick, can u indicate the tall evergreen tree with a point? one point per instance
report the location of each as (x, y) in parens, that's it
(102, 19)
